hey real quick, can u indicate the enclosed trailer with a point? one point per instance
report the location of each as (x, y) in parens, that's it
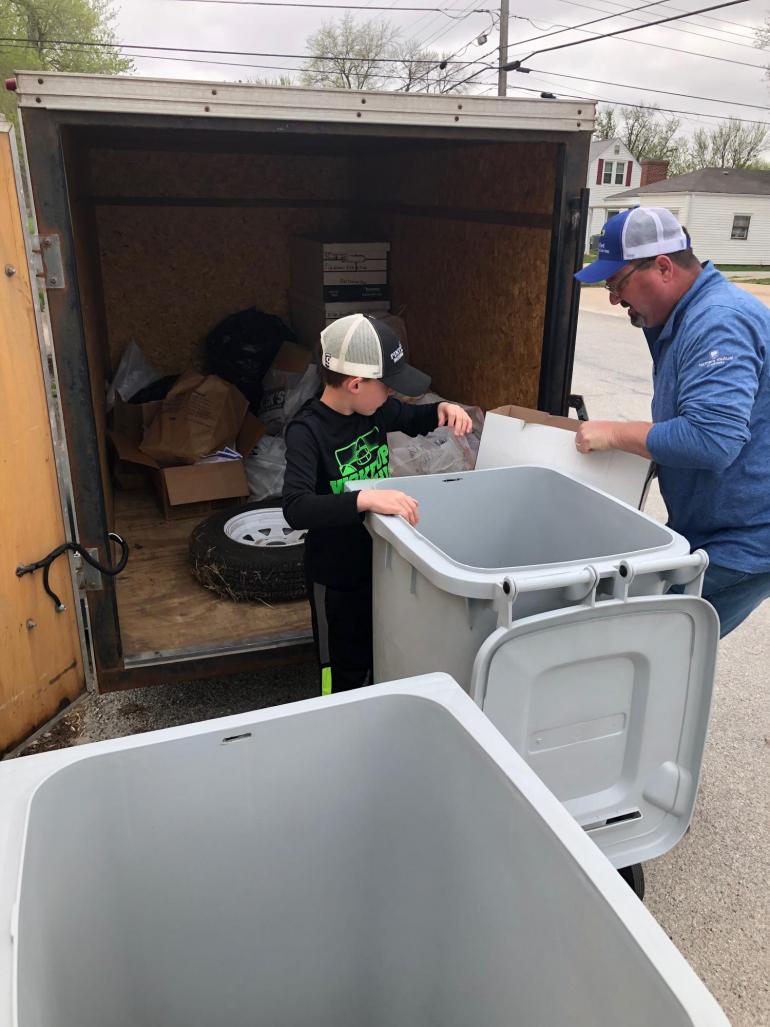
(159, 208)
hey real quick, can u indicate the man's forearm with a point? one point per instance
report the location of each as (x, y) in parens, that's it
(629, 436)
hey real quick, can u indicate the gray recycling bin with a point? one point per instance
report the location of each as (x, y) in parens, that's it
(382, 857)
(544, 598)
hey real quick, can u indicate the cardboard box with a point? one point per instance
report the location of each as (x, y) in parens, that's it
(292, 358)
(309, 317)
(189, 489)
(351, 271)
(514, 436)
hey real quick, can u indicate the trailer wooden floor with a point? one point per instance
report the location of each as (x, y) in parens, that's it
(164, 612)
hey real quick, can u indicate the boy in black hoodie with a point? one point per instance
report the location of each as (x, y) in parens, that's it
(341, 437)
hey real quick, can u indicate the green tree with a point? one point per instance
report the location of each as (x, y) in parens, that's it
(762, 40)
(649, 134)
(29, 28)
(732, 144)
(605, 125)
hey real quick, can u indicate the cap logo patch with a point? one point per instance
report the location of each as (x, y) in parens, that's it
(397, 354)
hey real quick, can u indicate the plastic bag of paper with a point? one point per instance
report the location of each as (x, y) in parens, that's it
(265, 467)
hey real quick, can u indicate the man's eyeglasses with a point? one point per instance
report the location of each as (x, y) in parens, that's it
(617, 287)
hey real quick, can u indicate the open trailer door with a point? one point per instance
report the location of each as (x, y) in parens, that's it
(41, 656)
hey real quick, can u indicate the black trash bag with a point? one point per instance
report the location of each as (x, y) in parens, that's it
(243, 346)
(155, 390)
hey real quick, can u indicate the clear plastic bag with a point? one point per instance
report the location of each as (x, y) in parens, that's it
(265, 467)
(437, 453)
(134, 373)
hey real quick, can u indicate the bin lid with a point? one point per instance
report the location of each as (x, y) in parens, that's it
(609, 705)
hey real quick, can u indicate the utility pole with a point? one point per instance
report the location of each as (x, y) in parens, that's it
(502, 76)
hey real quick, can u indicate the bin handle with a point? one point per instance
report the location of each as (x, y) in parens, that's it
(683, 570)
(580, 582)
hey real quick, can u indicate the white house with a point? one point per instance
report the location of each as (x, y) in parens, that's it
(611, 165)
(725, 210)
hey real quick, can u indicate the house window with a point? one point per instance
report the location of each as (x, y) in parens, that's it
(611, 214)
(740, 226)
(614, 172)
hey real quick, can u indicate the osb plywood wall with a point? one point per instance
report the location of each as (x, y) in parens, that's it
(171, 273)
(474, 292)
(469, 227)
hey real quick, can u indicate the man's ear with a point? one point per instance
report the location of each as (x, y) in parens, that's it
(353, 384)
(665, 266)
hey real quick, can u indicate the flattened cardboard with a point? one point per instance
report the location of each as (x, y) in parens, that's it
(514, 436)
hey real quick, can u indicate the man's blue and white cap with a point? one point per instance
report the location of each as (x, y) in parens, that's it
(632, 235)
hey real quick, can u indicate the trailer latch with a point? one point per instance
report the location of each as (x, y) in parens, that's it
(46, 255)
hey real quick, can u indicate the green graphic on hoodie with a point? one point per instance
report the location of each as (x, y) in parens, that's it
(362, 459)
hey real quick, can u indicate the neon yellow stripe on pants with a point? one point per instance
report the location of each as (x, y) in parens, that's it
(326, 681)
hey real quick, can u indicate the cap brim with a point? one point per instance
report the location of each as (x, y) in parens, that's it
(600, 270)
(408, 381)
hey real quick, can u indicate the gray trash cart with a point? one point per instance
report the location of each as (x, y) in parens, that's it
(381, 857)
(544, 598)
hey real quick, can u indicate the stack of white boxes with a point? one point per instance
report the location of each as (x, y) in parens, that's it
(331, 279)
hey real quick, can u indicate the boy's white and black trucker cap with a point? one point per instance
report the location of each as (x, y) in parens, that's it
(361, 346)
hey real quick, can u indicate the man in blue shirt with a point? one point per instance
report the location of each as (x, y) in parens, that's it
(710, 428)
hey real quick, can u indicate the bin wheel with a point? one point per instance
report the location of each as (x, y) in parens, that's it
(249, 553)
(634, 878)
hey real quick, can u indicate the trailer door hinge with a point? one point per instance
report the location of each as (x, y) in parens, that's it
(48, 267)
(88, 578)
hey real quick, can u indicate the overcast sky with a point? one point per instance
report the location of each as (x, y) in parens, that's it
(726, 34)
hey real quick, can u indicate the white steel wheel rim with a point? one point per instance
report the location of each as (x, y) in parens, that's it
(266, 529)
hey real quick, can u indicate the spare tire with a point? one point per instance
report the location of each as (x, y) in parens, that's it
(249, 552)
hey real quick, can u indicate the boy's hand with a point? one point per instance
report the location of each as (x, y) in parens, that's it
(454, 417)
(388, 501)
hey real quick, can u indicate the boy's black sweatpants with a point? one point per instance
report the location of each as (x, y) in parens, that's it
(342, 629)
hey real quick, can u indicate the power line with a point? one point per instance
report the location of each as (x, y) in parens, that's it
(626, 12)
(515, 65)
(190, 49)
(649, 89)
(639, 106)
(341, 7)
(706, 17)
(592, 21)
(605, 17)
(637, 42)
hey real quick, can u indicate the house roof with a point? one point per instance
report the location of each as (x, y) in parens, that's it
(598, 147)
(709, 180)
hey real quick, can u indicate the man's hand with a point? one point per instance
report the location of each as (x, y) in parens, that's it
(630, 436)
(595, 435)
(388, 501)
(454, 417)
